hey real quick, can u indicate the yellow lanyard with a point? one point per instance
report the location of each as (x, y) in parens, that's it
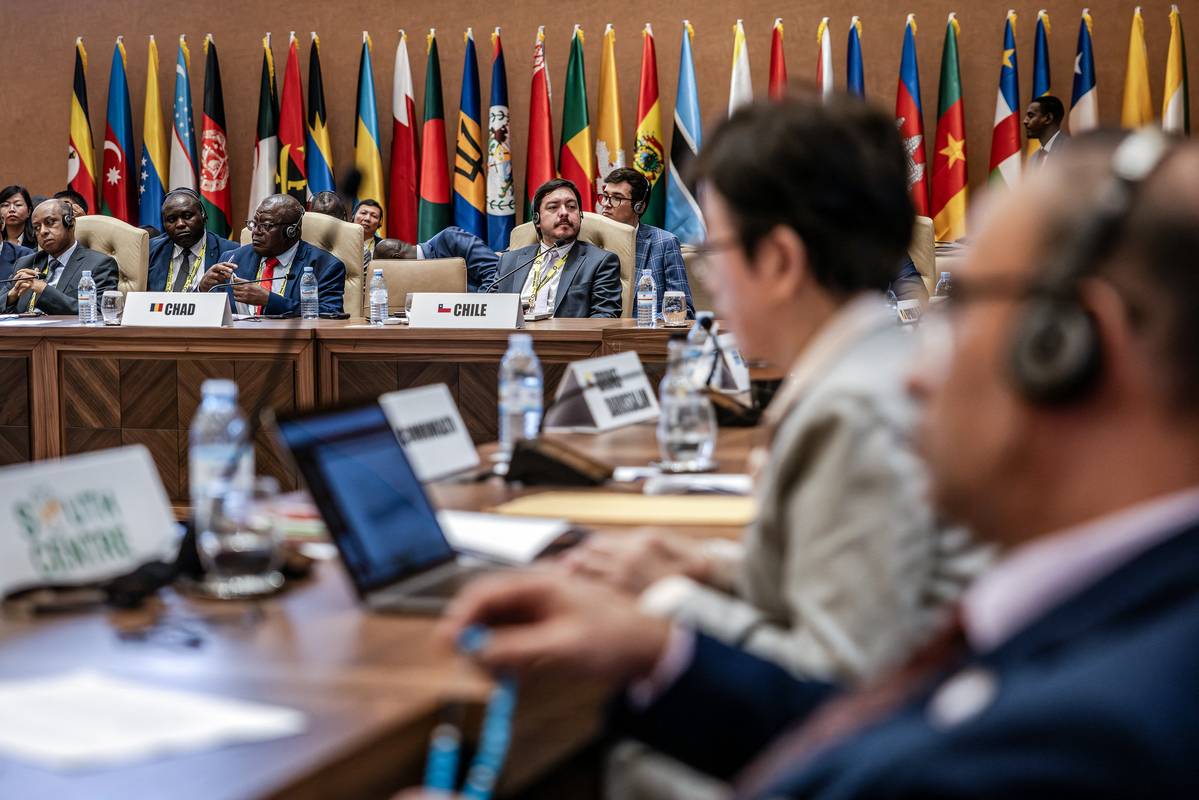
(33, 297)
(191, 276)
(270, 287)
(540, 279)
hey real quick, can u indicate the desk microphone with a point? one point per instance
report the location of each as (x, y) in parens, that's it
(236, 281)
(707, 323)
(557, 243)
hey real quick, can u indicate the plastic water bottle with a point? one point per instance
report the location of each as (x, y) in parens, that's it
(378, 298)
(310, 301)
(520, 392)
(647, 300)
(218, 440)
(687, 423)
(87, 299)
(944, 286)
(693, 349)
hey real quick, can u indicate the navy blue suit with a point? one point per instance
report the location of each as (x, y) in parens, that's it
(480, 259)
(330, 278)
(9, 253)
(161, 249)
(1096, 698)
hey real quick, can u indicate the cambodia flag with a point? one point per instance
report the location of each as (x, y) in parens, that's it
(909, 118)
(117, 199)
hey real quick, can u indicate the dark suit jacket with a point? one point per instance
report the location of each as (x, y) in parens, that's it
(1097, 698)
(330, 278)
(161, 248)
(63, 299)
(9, 254)
(908, 284)
(480, 259)
(590, 283)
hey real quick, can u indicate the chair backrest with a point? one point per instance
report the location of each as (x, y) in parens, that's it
(425, 275)
(923, 251)
(693, 261)
(602, 232)
(343, 240)
(128, 246)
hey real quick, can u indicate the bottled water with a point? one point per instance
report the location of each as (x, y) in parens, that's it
(520, 392)
(694, 362)
(378, 298)
(310, 302)
(218, 439)
(944, 286)
(647, 300)
(87, 299)
(687, 423)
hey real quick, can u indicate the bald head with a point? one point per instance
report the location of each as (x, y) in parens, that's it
(277, 225)
(54, 225)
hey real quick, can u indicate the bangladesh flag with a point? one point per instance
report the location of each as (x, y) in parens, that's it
(215, 193)
(575, 157)
(433, 215)
(949, 152)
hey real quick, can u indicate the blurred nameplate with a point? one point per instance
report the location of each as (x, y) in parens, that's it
(721, 368)
(601, 394)
(465, 310)
(177, 310)
(82, 519)
(428, 425)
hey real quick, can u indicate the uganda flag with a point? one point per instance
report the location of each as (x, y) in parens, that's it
(293, 172)
(81, 159)
(215, 192)
(576, 157)
(433, 215)
(470, 183)
(649, 157)
(949, 152)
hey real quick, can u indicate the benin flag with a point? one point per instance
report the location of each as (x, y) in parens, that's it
(470, 183)
(609, 141)
(649, 156)
(778, 62)
(949, 156)
(575, 157)
(318, 152)
(434, 213)
(1138, 107)
(81, 158)
(117, 194)
(1176, 110)
(366, 136)
(539, 158)
(293, 172)
(214, 152)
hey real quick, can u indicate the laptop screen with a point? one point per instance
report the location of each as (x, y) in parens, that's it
(374, 506)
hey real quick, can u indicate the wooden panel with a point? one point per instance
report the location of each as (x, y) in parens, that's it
(83, 440)
(478, 388)
(14, 445)
(90, 392)
(14, 399)
(149, 394)
(269, 461)
(263, 384)
(360, 380)
(164, 448)
(412, 374)
(192, 373)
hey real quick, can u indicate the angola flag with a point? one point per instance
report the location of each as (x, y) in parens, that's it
(539, 158)
(151, 187)
(778, 62)
(434, 213)
(215, 192)
(318, 151)
(401, 201)
(609, 139)
(81, 157)
(470, 180)
(367, 157)
(264, 178)
(649, 156)
(117, 196)
(575, 157)
(949, 156)
(1005, 135)
(1176, 110)
(293, 172)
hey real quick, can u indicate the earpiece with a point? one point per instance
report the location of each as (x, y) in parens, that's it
(639, 207)
(292, 231)
(68, 215)
(536, 219)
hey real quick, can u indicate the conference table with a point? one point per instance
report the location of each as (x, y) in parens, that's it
(372, 685)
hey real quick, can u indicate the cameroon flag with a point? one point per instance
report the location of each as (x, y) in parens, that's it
(576, 158)
(81, 157)
(649, 157)
(949, 157)
(433, 215)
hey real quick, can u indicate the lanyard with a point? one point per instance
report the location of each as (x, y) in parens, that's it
(33, 297)
(191, 276)
(540, 279)
(270, 287)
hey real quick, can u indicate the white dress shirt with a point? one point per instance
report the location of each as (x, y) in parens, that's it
(549, 292)
(280, 285)
(183, 261)
(62, 258)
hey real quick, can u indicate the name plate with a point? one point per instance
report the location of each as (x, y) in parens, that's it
(465, 310)
(428, 425)
(725, 371)
(82, 519)
(600, 394)
(177, 310)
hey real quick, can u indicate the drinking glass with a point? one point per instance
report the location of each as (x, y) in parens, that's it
(112, 304)
(238, 548)
(674, 309)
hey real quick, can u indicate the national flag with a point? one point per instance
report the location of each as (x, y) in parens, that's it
(264, 176)
(949, 151)
(824, 59)
(183, 139)
(318, 150)
(367, 158)
(649, 156)
(609, 140)
(539, 158)
(778, 62)
(1005, 135)
(576, 159)
(117, 198)
(151, 187)
(404, 176)
(1084, 98)
(215, 192)
(909, 118)
(1040, 68)
(470, 181)
(81, 158)
(434, 213)
(683, 217)
(1176, 108)
(293, 171)
(1138, 105)
(741, 89)
(855, 76)
(501, 190)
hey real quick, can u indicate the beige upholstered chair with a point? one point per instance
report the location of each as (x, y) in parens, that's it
(128, 246)
(923, 251)
(342, 239)
(425, 275)
(693, 261)
(602, 232)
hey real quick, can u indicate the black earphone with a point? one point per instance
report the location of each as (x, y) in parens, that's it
(292, 231)
(639, 207)
(192, 193)
(1056, 353)
(68, 214)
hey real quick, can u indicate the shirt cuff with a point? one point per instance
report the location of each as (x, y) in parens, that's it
(420, 254)
(675, 660)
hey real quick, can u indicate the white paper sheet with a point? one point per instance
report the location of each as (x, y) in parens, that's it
(509, 540)
(699, 484)
(85, 720)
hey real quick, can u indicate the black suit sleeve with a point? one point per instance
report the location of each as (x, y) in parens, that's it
(104, 273)
(605, 287)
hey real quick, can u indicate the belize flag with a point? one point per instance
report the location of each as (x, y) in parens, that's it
(1005, 136)
(501, 192)
(909, 118)
(117, 198)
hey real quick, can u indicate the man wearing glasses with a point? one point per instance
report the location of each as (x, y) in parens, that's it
(263, 277)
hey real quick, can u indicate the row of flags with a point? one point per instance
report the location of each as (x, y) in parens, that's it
(428, 188)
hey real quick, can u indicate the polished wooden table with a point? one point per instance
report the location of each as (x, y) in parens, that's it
(372, 685)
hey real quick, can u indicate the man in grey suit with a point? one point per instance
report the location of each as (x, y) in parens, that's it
(49, 279)
(561, 275)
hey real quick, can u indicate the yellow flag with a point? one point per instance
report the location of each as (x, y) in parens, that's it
(1138, 107)
(1176, 112)
(609, 146)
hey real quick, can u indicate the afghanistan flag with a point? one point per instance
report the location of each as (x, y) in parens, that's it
(215, 192)
(949, 156)
(318, 152)
(151, 187)
(81, 159)
(778, 62)
(293, 172)
(434, 213)
(855, 77)
(401, 202)
(470, 184)
(539, 159)
(367, 157)
(1005, 136)
(183, 138)
(1176, 110)
(683, 217)
(575, 157)
(117, 195)
(609, 140)
(264, 178)
(649, 157)
(501, 193)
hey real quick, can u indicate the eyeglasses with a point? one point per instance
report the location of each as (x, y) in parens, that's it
(265, 227)
(612, 200)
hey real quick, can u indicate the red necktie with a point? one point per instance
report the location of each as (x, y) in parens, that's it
(268, 277)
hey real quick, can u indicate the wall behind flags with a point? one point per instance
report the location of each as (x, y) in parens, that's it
(36, 59)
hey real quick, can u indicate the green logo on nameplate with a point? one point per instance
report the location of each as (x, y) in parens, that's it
(72, 531)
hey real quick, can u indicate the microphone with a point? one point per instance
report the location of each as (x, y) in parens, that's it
(236, 281)
(707, 323)
(557, 243)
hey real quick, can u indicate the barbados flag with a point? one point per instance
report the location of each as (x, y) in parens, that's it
(1005, 135)
(117, 194)
(151, 186)
(1084, 99)
(183, 142)
(366, 135)
(470, 189)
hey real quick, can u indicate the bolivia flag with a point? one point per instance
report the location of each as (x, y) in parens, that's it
(949, 151)
(402, 198)
(1005, 136)
(366, 136)
(1176, 110)
(151, 186)
(778, 62)
(539, 160)
(117, 194)
(214, 151)
(909, 118)
(649, 157)
(434, 213)
(470, 185)
(318, 152)
(81, 160)
(575, 157)
(293, 173)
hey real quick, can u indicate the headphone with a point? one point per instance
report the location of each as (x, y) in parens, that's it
(1056, 353)
(292, 231)
(192, 193)
(68, 214)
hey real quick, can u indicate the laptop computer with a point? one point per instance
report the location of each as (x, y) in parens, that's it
(376, 509)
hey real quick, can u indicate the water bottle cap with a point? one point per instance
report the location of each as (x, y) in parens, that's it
(219, 387)
(701, 314)
(520, 340)
(308, 268)
(87, 273)
(378, 273)
(944, 274)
